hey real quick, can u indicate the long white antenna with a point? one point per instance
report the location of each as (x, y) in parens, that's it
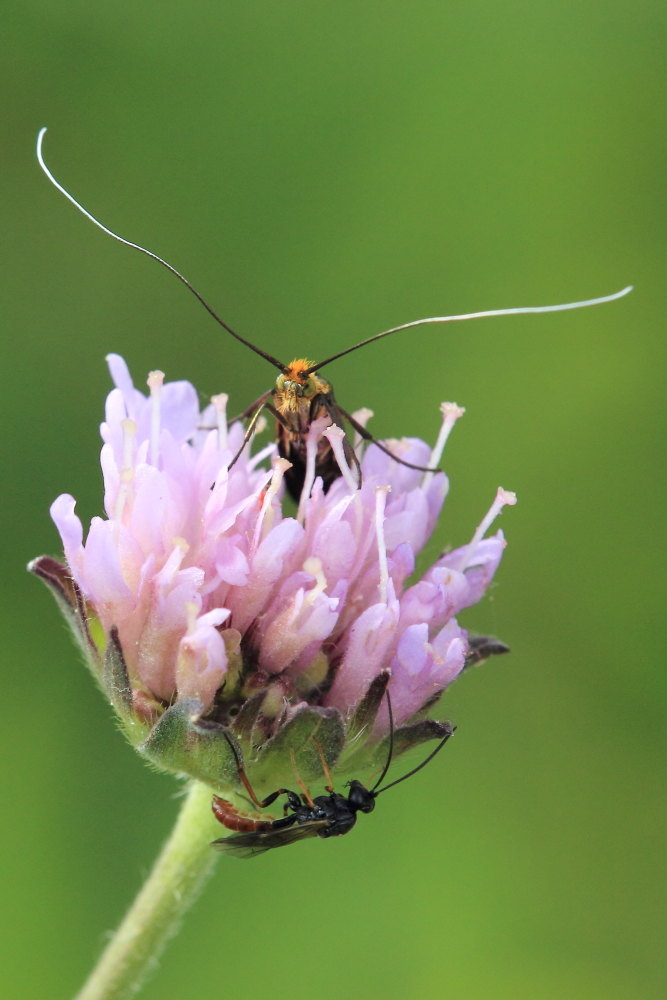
(149, 253)
(516, 311)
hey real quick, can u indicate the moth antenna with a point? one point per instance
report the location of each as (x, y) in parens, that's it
(517, 311)
(149, 253)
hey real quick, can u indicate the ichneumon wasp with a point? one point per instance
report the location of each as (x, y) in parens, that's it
(330, 815)
(300, 396)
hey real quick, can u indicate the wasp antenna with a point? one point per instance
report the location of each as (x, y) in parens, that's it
(391, 744)
(149, 253)
(517, 311)
(450, 731)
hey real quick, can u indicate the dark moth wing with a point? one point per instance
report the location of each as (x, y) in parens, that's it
(292, 433)
(247, 845)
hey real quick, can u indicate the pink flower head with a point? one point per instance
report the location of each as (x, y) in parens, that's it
(205, 608)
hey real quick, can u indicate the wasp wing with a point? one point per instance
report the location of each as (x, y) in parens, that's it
(247, 845)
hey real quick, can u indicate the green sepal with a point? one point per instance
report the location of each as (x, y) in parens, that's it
(414, 734)
(371, 759)
(244, 724)
(181, 742)
(272, 766)
(359, 727)
(363, 718)
(72, 604)
(481, 647)
(116, 678)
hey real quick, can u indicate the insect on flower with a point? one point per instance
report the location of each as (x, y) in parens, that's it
(329, 815)
(300, 396)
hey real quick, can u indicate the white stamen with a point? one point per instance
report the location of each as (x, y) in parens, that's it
(155, 382)
(220, 403)
(362, 417)
(335, 435)
(503, 498)
(127, 472)
(380, 503)
(315, 432)
(313, 566)
(451, 412)
(267, 514)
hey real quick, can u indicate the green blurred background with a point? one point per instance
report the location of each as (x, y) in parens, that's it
(322, 172)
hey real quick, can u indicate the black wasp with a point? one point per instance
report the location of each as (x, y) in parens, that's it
(329, 815)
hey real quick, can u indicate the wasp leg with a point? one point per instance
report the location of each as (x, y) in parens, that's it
(263, 803)
(325, 766)
(243, 777)
(301, 782)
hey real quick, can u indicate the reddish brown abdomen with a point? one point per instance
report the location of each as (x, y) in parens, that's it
(227, 814)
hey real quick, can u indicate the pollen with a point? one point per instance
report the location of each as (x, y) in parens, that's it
(155, 382)
(126, 477)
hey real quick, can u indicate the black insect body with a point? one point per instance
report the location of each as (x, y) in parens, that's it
(330, 815)
(338, 811)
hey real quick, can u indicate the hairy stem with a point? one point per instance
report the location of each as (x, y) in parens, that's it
(184, 864)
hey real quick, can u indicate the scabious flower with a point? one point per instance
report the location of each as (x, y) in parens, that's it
(210, 617)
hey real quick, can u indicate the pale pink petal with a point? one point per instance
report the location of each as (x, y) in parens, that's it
(202, 659)
(189, 543)
(70, 528)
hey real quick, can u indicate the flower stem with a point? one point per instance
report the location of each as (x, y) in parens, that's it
(184, 864)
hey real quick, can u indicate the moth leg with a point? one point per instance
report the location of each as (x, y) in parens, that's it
(251, 409)
(241, 416)
(263, 405)
(367, 436)
(279, 417)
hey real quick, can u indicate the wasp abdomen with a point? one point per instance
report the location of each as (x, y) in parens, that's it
(228, 815)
